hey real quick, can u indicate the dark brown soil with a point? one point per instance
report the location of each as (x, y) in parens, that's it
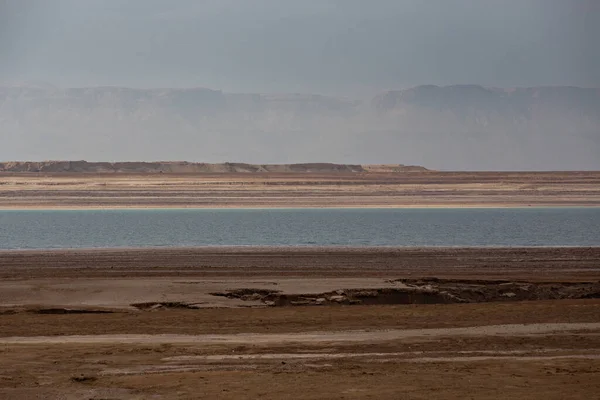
(579, 264)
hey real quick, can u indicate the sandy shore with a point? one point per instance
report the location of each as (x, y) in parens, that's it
(260, 276)
(321, 190)
(249, 323)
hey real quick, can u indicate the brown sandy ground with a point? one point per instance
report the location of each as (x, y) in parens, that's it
(495, 347)
(547, 364)
(342, 189)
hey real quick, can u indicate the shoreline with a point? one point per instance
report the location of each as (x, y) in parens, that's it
(293, 248)
(308, 261)
(441, 206)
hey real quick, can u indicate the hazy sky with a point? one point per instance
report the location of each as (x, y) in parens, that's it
(326, 46)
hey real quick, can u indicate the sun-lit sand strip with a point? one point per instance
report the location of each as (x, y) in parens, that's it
(309, 189)
(349, 336)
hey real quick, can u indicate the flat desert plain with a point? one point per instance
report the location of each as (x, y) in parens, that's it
(304, 189)
(301, 323)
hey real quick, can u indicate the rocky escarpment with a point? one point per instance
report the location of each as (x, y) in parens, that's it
(189, 167)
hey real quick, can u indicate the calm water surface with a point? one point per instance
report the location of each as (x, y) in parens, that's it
(300, 227)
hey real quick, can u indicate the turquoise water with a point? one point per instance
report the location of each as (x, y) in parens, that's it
(300, 227)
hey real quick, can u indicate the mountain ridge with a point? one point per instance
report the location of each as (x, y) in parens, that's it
(455, 127)
(191, 167)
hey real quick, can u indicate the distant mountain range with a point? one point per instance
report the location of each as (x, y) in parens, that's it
(183, 167)
(451, 127)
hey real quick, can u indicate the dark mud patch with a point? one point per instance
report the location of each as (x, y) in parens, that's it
(426, 291)
(343, 297)
(479, 291)
(58, 311)
(84, 378)
(165, 305)
(248, 294)
(53, 310)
